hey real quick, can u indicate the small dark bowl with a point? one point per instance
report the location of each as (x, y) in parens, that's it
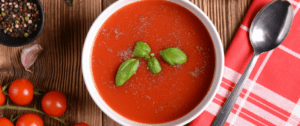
(20, 41)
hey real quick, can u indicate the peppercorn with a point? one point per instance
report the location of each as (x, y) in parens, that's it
(26, 18)
(3, 14)
(18, 17)
(26, 34)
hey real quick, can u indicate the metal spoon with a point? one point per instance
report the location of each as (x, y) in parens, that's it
(268, 29)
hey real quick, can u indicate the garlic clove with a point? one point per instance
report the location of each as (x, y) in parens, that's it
(29, 55)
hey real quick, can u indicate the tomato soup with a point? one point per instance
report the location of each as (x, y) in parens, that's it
(146, 97)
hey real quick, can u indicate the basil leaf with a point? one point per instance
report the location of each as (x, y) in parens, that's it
(173, 56)
(126, 70)
(147, 57)
(141, 49)
(153, 65)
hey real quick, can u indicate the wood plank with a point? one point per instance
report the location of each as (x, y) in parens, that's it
(59, 66)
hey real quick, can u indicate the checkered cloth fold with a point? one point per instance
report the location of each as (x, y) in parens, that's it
(271, 96)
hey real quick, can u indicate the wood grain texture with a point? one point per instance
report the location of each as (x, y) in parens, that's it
(59, 66)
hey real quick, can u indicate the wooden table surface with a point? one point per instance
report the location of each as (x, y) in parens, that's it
(58, 67)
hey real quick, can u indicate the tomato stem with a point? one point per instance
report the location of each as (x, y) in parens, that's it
(30, 109)
(13, 119)
(4, 88)
(37, 92)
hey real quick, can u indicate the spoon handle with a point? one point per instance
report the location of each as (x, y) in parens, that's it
(226, 109)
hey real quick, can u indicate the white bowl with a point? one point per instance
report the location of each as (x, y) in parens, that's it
(90, 84)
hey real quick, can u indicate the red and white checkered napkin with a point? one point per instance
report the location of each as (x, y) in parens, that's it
(271, 96)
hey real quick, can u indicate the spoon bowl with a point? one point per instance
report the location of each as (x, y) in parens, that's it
(268, 31)
(269, 28)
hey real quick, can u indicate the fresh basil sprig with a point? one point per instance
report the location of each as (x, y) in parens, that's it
(129, 67)
(141, 49)
(173, 56)
(126, 70)
(154, 65)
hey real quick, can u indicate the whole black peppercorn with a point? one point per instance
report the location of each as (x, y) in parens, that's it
(18, 18)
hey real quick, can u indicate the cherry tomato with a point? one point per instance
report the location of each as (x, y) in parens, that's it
(29, 119)
(81, 124)
(21, 91)
(5, 122)
(2, 97)
(54, 103)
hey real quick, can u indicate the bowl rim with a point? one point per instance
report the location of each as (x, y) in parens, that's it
(40, 31)
(88, 77)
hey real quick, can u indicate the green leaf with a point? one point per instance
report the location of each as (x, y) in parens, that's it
(153, 65)
(173, 56)
(141, 49)
(126, 70)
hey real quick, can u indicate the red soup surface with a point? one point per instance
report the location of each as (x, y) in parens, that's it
(147, 97)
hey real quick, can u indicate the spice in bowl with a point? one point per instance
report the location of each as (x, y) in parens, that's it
(18, 18)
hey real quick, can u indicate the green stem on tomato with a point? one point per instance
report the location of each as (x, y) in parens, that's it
(13, 119)
(30, 109)
(4, 88)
